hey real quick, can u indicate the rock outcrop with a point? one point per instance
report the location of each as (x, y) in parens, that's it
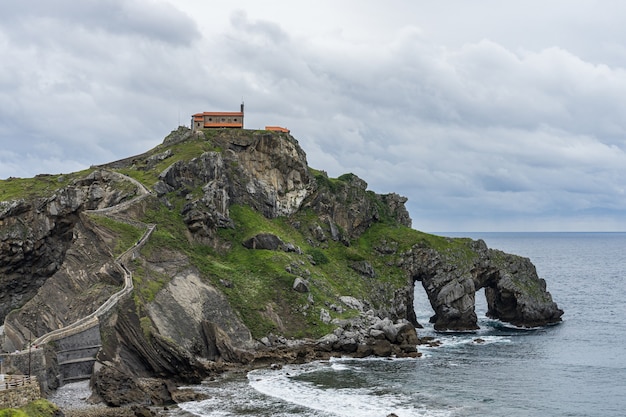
(34, 236)
(514, 292)
(348, 209)
(265, 171)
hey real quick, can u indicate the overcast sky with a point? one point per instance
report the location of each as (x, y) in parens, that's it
(488, 115)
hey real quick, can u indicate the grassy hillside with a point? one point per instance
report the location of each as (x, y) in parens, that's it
(260, 281)
(39, 186)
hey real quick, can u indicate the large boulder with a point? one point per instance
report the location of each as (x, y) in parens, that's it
(301, 285)
(266, 241)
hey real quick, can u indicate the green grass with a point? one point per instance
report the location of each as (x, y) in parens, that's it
(126, 235)
(260, 278)
(318, 257)
(185, 151)
(146, 327)
(332, 184)
(147, 178)
(39, 186)
(38, 408)
(147, 284)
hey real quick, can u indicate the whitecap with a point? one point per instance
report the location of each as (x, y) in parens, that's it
(348, 359)
(232, 396)
(342, 402)
(340, 367)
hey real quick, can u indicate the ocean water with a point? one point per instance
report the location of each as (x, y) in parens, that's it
(576, 368)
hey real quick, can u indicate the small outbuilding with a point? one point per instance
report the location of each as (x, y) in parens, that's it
(277, 129)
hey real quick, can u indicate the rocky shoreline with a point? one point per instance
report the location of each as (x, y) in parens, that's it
(360, 337)
(73, 400)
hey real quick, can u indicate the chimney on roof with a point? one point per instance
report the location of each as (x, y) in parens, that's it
(242, 106)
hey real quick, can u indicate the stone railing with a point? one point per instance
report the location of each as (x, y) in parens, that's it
(92, 319)
(83, 324)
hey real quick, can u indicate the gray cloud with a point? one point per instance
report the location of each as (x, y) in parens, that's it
(82, 78)
(480, 127)
(151, 20)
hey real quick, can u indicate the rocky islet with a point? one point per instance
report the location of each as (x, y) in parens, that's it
(57, 264)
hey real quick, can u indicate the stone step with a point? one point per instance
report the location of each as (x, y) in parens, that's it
(78, 360)
(76, 378)
(79, 348)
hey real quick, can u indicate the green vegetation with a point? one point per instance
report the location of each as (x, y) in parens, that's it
(39, 186)
(147, 171)
(126, 235)
(147, 286)
(146, 326)
(170, 231)
(38, 408)
(169, 234)
(318, 257)
(332, 184)
(260, 281)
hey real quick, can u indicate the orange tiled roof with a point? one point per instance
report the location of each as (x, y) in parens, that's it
(219, 113)
(277, 129)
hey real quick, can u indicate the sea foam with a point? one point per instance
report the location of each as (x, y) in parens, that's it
(343, 402)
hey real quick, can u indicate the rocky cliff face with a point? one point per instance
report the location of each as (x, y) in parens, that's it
(50, 254)
(33, 239)
(252, 248)
(266, 172)
(348, 209)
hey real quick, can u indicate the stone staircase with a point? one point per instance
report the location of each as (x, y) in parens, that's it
(77, 344)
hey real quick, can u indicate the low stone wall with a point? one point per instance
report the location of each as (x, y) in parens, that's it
(40, 366)
(19, 363)
(18, 390)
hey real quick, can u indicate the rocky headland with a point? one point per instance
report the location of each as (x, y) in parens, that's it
(223, 249)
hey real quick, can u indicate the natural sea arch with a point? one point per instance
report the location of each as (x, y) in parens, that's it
(513, 291)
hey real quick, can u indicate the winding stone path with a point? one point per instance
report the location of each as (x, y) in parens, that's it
(76, 361)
